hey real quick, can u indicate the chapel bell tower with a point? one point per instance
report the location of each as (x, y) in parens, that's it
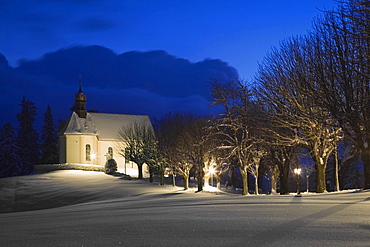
(79, 107)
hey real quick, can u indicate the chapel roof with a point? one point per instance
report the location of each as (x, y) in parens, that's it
(104, 125)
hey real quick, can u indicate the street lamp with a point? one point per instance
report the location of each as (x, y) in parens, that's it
(307, 175)
(298, 172)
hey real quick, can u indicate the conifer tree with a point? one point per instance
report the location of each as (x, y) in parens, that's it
(49, 139)
(9, 152)
(27, 137)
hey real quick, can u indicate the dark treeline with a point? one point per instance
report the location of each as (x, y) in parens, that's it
(22, 148)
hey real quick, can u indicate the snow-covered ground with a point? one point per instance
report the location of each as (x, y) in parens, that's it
(80, 208)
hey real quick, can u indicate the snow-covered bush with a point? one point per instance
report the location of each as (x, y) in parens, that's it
(110, 166)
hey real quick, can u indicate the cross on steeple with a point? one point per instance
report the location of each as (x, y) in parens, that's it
(80, 83)
(79, 107)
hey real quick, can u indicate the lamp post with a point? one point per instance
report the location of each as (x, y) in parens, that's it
(298, 172)
(307, 187)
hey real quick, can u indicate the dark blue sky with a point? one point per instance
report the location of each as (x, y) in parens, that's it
(239, 32)
(236, 33)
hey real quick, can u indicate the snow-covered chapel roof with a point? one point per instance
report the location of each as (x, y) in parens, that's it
(104, 125)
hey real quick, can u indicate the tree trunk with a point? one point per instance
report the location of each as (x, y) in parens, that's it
(261, 173)
(336, 170)
(274, 176)
(320, 177)
(162, 174)
(218, 179)
(256, 185)
(140, 170)
(151, 174)
(200, 183)
(244, 181)
(233, 178)
(366, 164)
(186, 182)
(284, 180)
(200, 178)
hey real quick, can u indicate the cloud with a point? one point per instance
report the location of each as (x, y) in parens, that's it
(152, 83)
(141, 101)
(95, 24)
(155, 71)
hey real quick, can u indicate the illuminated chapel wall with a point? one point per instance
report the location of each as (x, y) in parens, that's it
(75, 149)
(103, 152)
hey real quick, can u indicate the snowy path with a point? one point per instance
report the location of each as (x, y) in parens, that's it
(132, 213)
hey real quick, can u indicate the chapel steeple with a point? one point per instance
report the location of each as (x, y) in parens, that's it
(79, 107)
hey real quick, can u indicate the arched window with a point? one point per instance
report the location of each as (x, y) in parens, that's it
(88, 152)
(110, 153)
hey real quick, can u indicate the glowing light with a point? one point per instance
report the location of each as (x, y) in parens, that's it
(211, 172)
(93, 156)
(297, 171)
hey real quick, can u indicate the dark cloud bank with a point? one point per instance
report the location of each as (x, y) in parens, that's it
(152, 83)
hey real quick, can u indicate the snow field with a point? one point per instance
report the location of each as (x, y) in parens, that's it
(80, 208)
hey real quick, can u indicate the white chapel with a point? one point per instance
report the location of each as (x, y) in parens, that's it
(90, 138)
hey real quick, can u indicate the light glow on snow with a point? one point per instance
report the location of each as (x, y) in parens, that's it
(86, 200)
(87, 165)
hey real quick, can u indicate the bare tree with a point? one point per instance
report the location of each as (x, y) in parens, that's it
(348, 162)
(277, 137)
(183, 144)
(285, 78)
(283, 156)
(254, 167)
(137, 142)
(197, 146)
(342, 72)
(220, 162)
(234, 127)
